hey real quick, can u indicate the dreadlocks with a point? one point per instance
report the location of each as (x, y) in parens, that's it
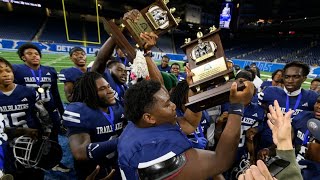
(179, 94)
(85, 89)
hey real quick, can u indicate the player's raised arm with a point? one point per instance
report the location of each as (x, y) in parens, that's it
(104, 54)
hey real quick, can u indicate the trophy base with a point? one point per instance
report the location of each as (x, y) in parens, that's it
(212, 97)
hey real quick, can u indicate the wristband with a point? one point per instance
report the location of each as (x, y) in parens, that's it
(148, 54)
(236, 109)
(96, 151)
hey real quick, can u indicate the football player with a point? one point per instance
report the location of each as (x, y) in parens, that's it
(312, 161)
(115, 74)
(17, 107)
(253, 116)
(43, 79)
(291, 97)
(69, 75)
(94, 120)
(153, 146)
(301, 132)
(179, 97)
(276, 79)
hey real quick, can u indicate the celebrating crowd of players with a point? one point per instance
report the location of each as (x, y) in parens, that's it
(117, 129)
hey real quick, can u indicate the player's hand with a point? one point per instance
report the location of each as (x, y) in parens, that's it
(263, 154)
(259, 172)
(240, 97)
(281, 127)
(251, 132)
(33, 133)
(93, 175)
(223, 118)
(189, 74)
(150, 39)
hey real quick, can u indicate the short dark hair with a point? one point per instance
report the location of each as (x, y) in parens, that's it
(305, 67)
(112, 63)
(139, 98)
(75, 49)
(6, 62)
(245, 74)
(315, 80)
(85, 90)
(165, 56)
(25, 46)
(275, 72)
(252, 72)
(175, 64)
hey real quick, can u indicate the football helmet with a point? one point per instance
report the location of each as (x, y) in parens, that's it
(37, 153)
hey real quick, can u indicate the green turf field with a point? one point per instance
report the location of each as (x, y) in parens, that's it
(61, 60)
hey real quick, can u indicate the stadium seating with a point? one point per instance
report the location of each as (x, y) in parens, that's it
(18, 27)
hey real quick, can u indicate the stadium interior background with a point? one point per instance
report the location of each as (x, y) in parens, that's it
(267, 32)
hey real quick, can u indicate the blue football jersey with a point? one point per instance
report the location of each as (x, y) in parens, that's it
(70, 74)
(18, 108)
(182, 76)
(139, 148)
(312, 170)
(253, 116)
(301, 135)
(3, 135)
(166, 69)
(201, 130)
(269, 94)
(79, 118)
(24, 76)
(204, 123)
(265, 84)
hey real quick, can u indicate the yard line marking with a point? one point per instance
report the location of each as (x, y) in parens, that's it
(56, 60)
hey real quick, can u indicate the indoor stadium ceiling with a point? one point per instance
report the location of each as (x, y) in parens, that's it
(114, 8)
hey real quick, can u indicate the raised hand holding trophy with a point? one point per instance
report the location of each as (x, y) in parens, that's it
(212, 79)
(156, 18)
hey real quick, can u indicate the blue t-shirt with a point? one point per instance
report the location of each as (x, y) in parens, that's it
(144, 147)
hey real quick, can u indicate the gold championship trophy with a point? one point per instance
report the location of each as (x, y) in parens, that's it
(156, 17)
(212, 78)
